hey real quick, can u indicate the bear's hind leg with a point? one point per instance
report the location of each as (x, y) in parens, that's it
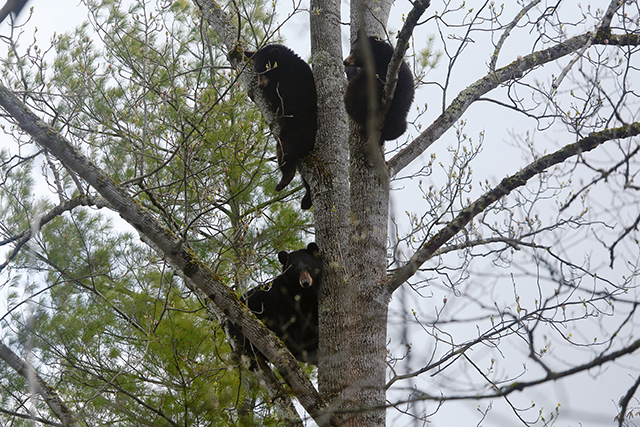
(288, 172)
(306, 200)
(286, 165)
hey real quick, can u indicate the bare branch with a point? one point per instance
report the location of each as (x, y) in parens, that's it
(507, 185)
(477, 89)
(605, 22)
(419, 7)
(624, 402)
(507, 32)
(598, 361)
(624, 234)
(521, 385)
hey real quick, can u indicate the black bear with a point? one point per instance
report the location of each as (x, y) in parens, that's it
(356, 96)
(289, 306)
(287, 83)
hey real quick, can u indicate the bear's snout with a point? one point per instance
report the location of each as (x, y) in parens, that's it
(263, 81)
(305, 279)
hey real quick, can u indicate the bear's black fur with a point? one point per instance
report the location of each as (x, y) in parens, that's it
(287, 83)
(356, 96)
(289, 306)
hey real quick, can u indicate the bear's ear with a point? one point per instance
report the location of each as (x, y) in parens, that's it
(283, 256)
(248, 54)
(274, 53)
(274, 57)
(313, 249)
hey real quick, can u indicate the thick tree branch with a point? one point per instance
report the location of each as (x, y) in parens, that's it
(605, 37)
(12, 6)
(274, 387)
(471, 94)
(507, 185)
(41, 387)
(624, 402)
(227, 31)
(220, 21)
(491, 81)
(174, 249)
(222, 24)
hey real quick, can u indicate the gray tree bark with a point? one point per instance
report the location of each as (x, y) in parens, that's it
(351, 211)
(329, 180)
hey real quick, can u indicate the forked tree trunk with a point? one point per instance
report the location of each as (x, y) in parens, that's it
(351, 212)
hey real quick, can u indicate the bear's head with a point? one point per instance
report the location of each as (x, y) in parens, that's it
(381, 51)
(265, 62)
(303, 267)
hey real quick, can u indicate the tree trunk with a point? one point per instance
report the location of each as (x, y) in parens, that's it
(351, 192)
(330, 188)
(368, 268)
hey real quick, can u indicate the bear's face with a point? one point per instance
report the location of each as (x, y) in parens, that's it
(265, 62)
(302, 267)
(354, 60)
(381, 51)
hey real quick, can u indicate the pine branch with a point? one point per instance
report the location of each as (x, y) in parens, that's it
(30, 417)
(49, 395)
(178, 253)
(23, 237)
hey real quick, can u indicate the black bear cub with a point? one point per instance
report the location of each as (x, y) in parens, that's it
(287, 83)
(356, 96)
(289, 307)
